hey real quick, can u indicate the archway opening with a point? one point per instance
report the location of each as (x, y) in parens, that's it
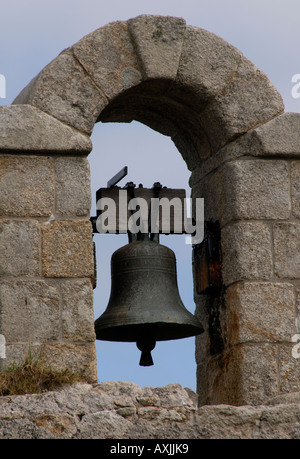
(150, 157)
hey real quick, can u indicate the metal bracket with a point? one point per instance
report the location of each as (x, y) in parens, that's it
(175, 215)
(207, 260)
(116, 178)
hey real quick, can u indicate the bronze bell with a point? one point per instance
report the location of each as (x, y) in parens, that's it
(145, 305)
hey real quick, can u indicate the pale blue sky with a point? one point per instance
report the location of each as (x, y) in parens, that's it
(33, 32)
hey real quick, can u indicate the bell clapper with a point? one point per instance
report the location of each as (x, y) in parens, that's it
(146, 345)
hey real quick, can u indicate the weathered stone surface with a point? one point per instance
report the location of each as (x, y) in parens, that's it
(260, 312)
(25, 128)
(18, 352)
(108, 57)
(29, 311)
(26, 186)
(72, 186)
(158, 41)
(258, 102)
(193, 145)
(277, 422)
(19, 248)
(246, 190)
(295, 187)
(277, 137)
(284, 399)
(287, 250)
(77, 357)
(207, 62)
(245, 374)
(289, 367)
(85, 411)
(203, 315)
(212, 163)
(247, 252)
(64, 90)
(257, 366)
(77, 311)
(259, 189)
(259, 372)
(297, 289)
(233, 423)
(216, 190)
(67, 249)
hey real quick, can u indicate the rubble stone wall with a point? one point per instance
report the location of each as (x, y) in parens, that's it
(123, 410)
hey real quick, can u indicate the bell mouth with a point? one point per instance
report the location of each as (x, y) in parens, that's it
(146, 335)
(159, 331)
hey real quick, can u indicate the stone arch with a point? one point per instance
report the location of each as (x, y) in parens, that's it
(182, 81)
(225, 118)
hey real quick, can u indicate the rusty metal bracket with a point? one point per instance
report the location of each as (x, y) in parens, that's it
(207, 260)
(176, 216)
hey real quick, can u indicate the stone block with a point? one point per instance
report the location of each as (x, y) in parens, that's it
(246, 375)
(29, 311)
(64, 90)
(216, 192)
(109, 58)
(297, 289)
(67, 249)
(247, 252)
(19, 248)
(26, 186)
(158, 41)
(59, 356)
(173, 395)
(17, 353)
(257, 366)
(207, 62)
(258, 102)
(295, 187)
(77, 311)
(289, 369)
(260, 312)
(213, 163)
(72, 186)
(14, 354)
(246, 190)
(219, 380)
(287, 250)
(281, 421)
(203, 383)
(257, 189)
(78, 358)
(277, 137)
(26, 129)
(202, 341)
